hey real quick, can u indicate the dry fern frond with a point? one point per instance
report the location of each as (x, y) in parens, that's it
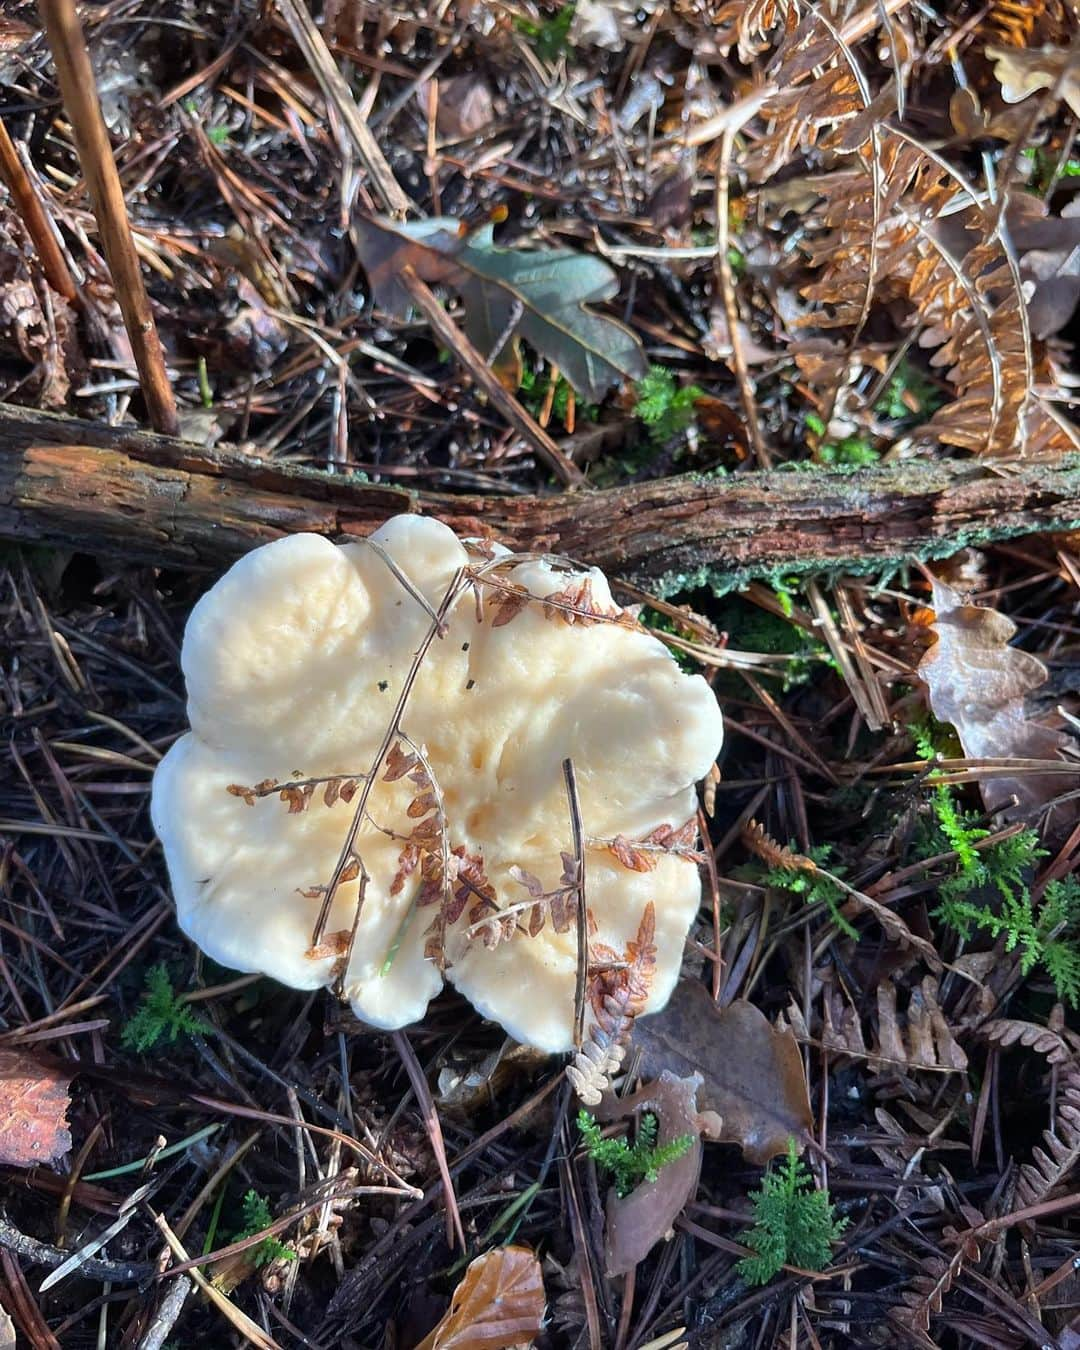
(966, 300)
(617, 988)
(642, 855)
(1053, 1164)
(1006, 1031)
(927, 1296)
(919, 1041)
(765, 847)
(748, 25)
(1025, 23)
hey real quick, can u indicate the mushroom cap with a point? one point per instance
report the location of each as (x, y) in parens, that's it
(294, 663)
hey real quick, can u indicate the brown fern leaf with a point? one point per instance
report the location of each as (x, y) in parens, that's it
(920, 1040)
(963, 296)
(642, 855)
(765, 847)
(1053, 1164)
(617, 988)
(927, 1296)
(1006, 1031)
(1025, 23)
(576, 604)
(297, 792)
(748, 25)
(558, 905)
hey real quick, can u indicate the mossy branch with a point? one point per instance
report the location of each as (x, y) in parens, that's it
(112, 491)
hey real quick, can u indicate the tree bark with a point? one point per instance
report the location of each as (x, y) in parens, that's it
(155, 499)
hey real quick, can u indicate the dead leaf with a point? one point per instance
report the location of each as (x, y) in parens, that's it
(540, 294)
(1022, 72)
(978, 683)
(753, 1073)
(464, 107)
(499, 1303)
(33, 1111)
(638, 1221)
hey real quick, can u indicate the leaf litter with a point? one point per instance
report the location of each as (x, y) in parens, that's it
(896, 186)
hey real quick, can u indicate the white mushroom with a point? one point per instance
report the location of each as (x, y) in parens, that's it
(296, 661)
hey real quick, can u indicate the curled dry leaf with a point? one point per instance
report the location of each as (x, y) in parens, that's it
(33, 1110)
(638, 1221)
(978, 683)
(540, 294)
(753, 1073)
(499, 1303)
(1022, 73)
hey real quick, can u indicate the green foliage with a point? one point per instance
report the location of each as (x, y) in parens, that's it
(853, 452)
(665, 406)
(663, 623)
(794, 1222)
(161, 1013)
(256, 1215)
(549, 37)
(630, 1164)
(534, 390)
(908, 386)
(1043, 169)
(753, 629)
(990, 892)
(812, 888)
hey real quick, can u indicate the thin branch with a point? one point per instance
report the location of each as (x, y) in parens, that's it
(451, 335)
(75, 76)
(582, 909)
(336, 92)
(28, 204)
(424, 1100)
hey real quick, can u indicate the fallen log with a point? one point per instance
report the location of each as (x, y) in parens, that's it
(149, 498)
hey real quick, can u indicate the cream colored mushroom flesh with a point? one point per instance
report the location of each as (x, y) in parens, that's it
(296, 662)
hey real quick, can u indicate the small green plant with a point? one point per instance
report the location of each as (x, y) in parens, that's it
(853, 452)
(909, 396)
(813, 888)
(550, 37)
(534, 391)
(990, 891)
(1044, 165)
(161, 1014)
(256, 1215)
(794, 1222)
(665, 406)
(631, 1164)
(850, 452)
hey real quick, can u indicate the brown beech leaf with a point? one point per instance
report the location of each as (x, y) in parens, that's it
(33, 1111)
(638, 1221)
(499, 1303)
(978, 683)
(753, 1073)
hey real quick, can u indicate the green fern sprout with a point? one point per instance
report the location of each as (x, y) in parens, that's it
(794, 1223)
(909, 396)
(550, 37)
(813, 888)
(631, 1164)
(990, 892)
(256, 1215)
(161, 1013)
(666, 408)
